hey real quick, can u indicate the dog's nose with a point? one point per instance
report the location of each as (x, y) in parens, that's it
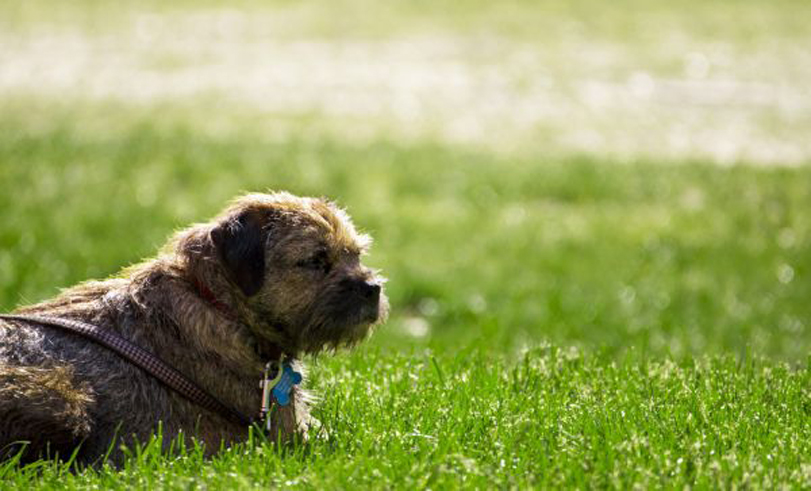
(363, 290)
(369, 291)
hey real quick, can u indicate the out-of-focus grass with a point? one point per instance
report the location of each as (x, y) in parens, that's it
(721, 81)
(744, 20)
(682, 259)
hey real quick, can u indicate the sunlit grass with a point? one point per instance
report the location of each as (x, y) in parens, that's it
(718, 81)
(549, 418)
(611, 313)
(687, 258)
(523, 19)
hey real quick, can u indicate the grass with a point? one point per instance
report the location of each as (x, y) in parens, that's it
(561, 319)
(567, 323)
(551, 418)
(685, 259)
(550, 20)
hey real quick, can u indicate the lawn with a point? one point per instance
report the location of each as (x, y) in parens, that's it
(566, 312)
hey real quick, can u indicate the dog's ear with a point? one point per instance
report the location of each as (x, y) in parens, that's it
(240, 243)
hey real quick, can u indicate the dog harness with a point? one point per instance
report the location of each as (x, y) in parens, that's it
(274, 387)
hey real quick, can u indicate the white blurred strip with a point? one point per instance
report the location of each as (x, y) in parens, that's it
(578, 96)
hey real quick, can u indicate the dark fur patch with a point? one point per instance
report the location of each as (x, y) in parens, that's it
(240, 243)
(44, 407)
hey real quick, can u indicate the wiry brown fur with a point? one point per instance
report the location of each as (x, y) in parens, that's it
(58, 390)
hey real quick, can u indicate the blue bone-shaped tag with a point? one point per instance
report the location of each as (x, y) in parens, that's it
(281, 391)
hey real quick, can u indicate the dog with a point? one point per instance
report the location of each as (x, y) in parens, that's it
(273, 277)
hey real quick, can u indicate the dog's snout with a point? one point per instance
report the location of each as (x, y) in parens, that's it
(364, 290)
(370, 290)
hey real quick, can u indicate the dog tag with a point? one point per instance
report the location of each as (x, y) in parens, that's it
(281, 391)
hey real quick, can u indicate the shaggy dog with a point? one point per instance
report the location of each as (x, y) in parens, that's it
(273, 277)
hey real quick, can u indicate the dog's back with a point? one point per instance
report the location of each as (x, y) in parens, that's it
(59, 391)
(42, 404)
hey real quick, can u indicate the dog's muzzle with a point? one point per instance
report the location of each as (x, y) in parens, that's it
(365, 296)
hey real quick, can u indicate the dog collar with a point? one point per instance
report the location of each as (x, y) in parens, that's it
(276, 388)
(212, 299)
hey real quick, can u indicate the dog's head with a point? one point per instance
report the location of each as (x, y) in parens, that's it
(296, 264)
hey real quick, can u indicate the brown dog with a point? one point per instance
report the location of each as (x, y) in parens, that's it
(274, 275)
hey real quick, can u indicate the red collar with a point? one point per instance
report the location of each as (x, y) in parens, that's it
(264, 351)
(212, 299)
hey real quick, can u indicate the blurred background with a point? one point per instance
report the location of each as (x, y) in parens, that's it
(610, 175)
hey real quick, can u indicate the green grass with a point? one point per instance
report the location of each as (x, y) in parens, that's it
(676, 259)
(674, 298)
(559, 319)
(550, 418)
(550, 20)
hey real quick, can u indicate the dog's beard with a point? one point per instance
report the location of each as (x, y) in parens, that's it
(335, 320)
(341, 323)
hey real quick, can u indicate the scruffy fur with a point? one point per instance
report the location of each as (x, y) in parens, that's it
(274, 274)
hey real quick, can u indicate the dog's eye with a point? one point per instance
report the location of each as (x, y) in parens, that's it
(318, 262)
